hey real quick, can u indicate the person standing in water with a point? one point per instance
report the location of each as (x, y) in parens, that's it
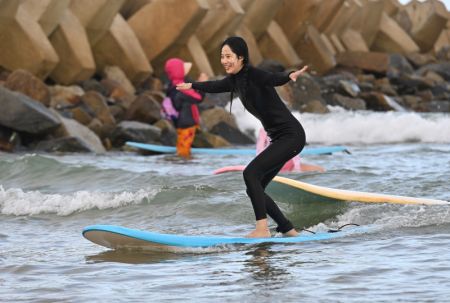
(185, 103)
(255, 88)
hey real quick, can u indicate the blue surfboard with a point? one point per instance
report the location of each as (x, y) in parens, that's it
(231, 151)
(117, 237)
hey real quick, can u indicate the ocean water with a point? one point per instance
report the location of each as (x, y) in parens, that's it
(47, 199)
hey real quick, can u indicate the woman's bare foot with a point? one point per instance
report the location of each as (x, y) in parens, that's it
(261, 230)
(291, 233)
(259, 234)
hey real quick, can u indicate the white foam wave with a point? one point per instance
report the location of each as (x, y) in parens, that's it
(361, 127)
(19, 203)
(396, 216)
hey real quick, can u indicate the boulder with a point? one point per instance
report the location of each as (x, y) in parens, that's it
(168, 132)
(305, 90)
(206, 139)
(144, 109)
(71, 128)
(135, 131)
(349, 103)
(64, 145)
(65, 96)
(21, 113)
(314, 106)
(379, 102)
(98, 106)
(26, 83)
(231, 134)
(216, 115)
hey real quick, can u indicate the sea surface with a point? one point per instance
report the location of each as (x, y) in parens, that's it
(47, 199)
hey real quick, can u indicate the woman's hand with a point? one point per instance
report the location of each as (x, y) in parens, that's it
(296, 74)
(184, 86)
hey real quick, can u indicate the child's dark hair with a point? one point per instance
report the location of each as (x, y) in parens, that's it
(239, 47)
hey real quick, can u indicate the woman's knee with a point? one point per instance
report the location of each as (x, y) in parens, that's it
(251, 174)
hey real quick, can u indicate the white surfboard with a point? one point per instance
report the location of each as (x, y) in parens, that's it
(353, 196)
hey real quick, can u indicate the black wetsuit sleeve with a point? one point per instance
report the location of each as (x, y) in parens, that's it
(218, 86)
(269, 79)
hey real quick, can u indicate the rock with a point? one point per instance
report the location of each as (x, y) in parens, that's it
(304, 90)
(206, 139)
(116, 74)
(349, 103)
(135, 131)
(168, 132)
(231, 134)
(314, 106)
(97, 105)
(398, 65)
(419, 60)
(72, 128)
(65, 144)
(65, 96)
(442, 69)
(212, 117)
(21, 113)
(144, 109)
(26, 83)
(379, 102)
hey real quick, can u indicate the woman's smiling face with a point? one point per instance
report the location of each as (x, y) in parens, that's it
(230, 61)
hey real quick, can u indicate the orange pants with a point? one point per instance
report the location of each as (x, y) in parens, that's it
(185, 137)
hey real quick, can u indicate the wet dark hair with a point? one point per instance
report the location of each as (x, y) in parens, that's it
(239, 47)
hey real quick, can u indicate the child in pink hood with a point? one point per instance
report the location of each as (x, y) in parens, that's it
(185, 102)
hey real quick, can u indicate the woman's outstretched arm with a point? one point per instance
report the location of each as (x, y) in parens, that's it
(277, 79)
(218, 86)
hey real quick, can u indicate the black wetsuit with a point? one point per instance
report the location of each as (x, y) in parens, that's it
(256, 90)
